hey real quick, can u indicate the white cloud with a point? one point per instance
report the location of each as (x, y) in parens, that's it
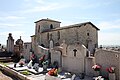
(42, 6)
(109, 25)
(14, 17)
(49, 7)
(12, 26)
(11, 17)
(12, 22)
(66, 23)
(107, 34)
(91, 4)
(39, 1)
(13, 32)
(109, 38)
(16, 35)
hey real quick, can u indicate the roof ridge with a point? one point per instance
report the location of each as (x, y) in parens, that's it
(47, 20)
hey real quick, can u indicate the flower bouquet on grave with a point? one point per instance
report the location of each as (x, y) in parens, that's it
(41, 60)
(53, 72)
(111, 69)
(96, 67)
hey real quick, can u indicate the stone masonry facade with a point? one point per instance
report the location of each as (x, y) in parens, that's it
(84, 33)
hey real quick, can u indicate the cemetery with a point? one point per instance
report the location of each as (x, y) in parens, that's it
(36, 70)
(24, 70)
(60, 55)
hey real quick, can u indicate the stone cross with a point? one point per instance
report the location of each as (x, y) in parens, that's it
(75, 52)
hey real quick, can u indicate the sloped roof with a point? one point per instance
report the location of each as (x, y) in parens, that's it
(71, 26)
(48, 20)
(32, 36)
(78, 25)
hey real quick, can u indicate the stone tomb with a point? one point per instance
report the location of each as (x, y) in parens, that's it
(18, 68)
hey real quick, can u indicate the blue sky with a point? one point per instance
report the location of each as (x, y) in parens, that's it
(18, 17)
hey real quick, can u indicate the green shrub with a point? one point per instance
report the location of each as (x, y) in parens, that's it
(25, 72)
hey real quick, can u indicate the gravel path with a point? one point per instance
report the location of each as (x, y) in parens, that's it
(4, 77)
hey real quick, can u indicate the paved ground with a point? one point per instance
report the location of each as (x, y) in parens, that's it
(42, 77)
(35, 77)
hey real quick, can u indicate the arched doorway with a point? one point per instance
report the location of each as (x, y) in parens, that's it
(51, 26)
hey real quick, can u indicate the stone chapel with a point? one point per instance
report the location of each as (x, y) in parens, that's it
(49, 34)
(68, 45)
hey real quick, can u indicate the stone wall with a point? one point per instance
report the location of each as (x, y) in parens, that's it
(45, 26)
(43, 40)
(106, 59)
(33, 42)
(27, 48)
(56, 56)
(74, 61)
(93, 34)
(71, 35)
(89, 62)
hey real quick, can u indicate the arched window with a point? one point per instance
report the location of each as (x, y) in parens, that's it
(48, 36)
(88, 34)
(51, 26)
(38, 28)
(25, 46)
(58, 35)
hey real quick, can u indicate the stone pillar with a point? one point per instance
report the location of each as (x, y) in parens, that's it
(10, 43)
(89, 62)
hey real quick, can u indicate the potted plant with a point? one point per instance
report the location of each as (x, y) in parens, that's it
(96, 69)
(111, 71)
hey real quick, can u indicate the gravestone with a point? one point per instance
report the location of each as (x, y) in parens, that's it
(73, 77)
(30, 64)
(36, 67)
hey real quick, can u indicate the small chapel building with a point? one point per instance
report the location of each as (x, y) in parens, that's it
(48, 33)
(68, 45)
